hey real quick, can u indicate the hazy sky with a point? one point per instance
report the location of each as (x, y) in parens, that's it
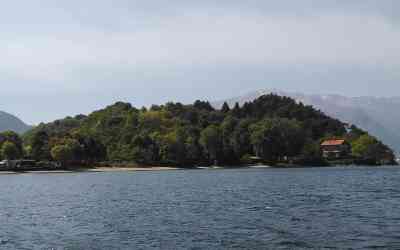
(61, 58)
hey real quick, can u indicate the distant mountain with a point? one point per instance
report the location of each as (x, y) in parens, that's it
(11, 122)
(379, 116)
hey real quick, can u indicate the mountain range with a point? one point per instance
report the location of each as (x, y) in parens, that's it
(378, 115)
(11, 122)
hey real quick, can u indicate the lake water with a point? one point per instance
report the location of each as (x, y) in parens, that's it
(314, 208)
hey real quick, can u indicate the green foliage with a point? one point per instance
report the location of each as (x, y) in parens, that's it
(361, 146)
(369, 149)
(311, 150)
(225, 108)
(39, 145)
(10, 136)
(62, 153)
(9, 151)
(240, 138)
(210, 140)
(276, 138)
(10, 145)
(272, 127)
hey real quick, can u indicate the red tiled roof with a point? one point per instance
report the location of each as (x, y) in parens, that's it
(333, 142)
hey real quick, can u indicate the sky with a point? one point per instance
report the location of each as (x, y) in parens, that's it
(60, 58)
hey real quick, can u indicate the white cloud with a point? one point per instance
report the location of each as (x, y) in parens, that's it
(201, 39)
(81, 55)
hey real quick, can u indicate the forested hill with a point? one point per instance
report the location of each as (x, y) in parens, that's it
(272, 127)
(377, 115)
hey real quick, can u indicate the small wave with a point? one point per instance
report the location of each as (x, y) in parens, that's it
(259, 208)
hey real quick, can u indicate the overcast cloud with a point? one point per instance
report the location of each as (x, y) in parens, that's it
(61, 59)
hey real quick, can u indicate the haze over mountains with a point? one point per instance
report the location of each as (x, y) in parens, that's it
(378, 115)
(11, 122)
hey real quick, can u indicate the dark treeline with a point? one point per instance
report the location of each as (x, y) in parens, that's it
(270, 129)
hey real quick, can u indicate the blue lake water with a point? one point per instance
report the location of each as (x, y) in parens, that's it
(310, 208)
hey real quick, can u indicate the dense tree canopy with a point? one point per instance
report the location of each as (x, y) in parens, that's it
(369, 148)
(275, 138)
(271, 128)
(10, 145)
(211, 141)
(62, 153)
(9, 151)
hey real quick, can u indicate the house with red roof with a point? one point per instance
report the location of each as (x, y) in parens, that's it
(335, 149)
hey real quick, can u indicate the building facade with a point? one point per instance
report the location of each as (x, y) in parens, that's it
(335, 149)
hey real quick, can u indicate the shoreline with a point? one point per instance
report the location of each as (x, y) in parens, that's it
(91, 170)
(121, 169)
(155, 169)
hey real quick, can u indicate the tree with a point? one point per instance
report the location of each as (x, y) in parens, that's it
(40, 149)
(360, 147)
(225, 108)
(236, 111)
(240, 138)
(227, 128)
(172, 148)
(210, 139)
(311, 150)
(193, 150)
(10, 136)
(62, 153)
(9, 151)
(311, 154)
(276, 138)
(370, 149)
(92, 149)
(144, 149)
(200, 105)
(153, 120)
(293, 136)
(265, 138)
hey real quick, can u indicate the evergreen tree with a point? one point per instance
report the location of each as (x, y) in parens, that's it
(225, 108)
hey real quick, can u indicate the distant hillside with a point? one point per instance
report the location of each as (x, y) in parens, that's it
(379, 116)
(11, 122)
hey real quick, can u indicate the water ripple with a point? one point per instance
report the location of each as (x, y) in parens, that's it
(332, 208)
